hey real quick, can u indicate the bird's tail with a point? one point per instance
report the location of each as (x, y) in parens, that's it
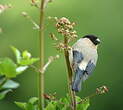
(76, 86)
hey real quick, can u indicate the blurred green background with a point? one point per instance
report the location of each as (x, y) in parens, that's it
(100, 17)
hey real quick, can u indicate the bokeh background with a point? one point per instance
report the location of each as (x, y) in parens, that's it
(100, 17)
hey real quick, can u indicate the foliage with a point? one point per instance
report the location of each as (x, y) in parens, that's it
(7, 85)
(53, 104)
(9, 69)
(25, 58)
(30, 105)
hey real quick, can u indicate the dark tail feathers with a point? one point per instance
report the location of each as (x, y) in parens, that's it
(76, 86)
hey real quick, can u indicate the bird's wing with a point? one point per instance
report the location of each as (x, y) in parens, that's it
(77, 58)
(90, 66)
(89, 69)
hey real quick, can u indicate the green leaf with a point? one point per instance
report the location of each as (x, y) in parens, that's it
(17, 54)
(26, 106)
(10, 84)
(7, 67)
(7, 86)
(3, 80)
(65, 105)
(31, 107)
(65, 108)
(3, 93)
(51, 106)
(78, 99)
(22, 105)
(84, 105)
(21, 69)
(26, 55)
(28, 61)
(65, 100)
(33, 100)
(23, 60)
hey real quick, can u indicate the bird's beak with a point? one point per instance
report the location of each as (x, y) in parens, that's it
(98, 41)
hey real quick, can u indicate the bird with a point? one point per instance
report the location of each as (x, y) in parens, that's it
(83, 58)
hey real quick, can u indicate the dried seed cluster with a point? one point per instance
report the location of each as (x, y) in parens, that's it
(53, 37)
(61, 46)
(102, 90)
(65, 27)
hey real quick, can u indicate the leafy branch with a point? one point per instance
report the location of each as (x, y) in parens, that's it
(9, 69)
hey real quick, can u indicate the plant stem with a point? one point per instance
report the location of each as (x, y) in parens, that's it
(41, 75)
(71, 93)
(88, 97)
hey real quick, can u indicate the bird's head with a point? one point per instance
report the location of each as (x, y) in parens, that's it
(94, 39)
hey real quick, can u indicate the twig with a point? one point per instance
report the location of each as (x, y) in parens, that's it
(90, 96)
(36, 26)
(50, 60)
(35, 68)
(99, 91)
(46, 2)
(71, 93)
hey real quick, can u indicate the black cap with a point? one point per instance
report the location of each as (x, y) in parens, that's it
(93, 38)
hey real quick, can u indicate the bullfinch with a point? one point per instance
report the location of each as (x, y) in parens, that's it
(83, 57)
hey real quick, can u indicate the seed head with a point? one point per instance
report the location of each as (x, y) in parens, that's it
(102, 90)
(65, 27)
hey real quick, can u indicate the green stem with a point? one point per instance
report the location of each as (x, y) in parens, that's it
(88, 97)
(41, 75)
(71, 93)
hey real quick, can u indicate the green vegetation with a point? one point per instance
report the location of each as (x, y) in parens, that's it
(102, 18)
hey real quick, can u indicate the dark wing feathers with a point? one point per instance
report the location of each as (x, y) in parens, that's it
(77, 56)
(90, 67)
(76, 86)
